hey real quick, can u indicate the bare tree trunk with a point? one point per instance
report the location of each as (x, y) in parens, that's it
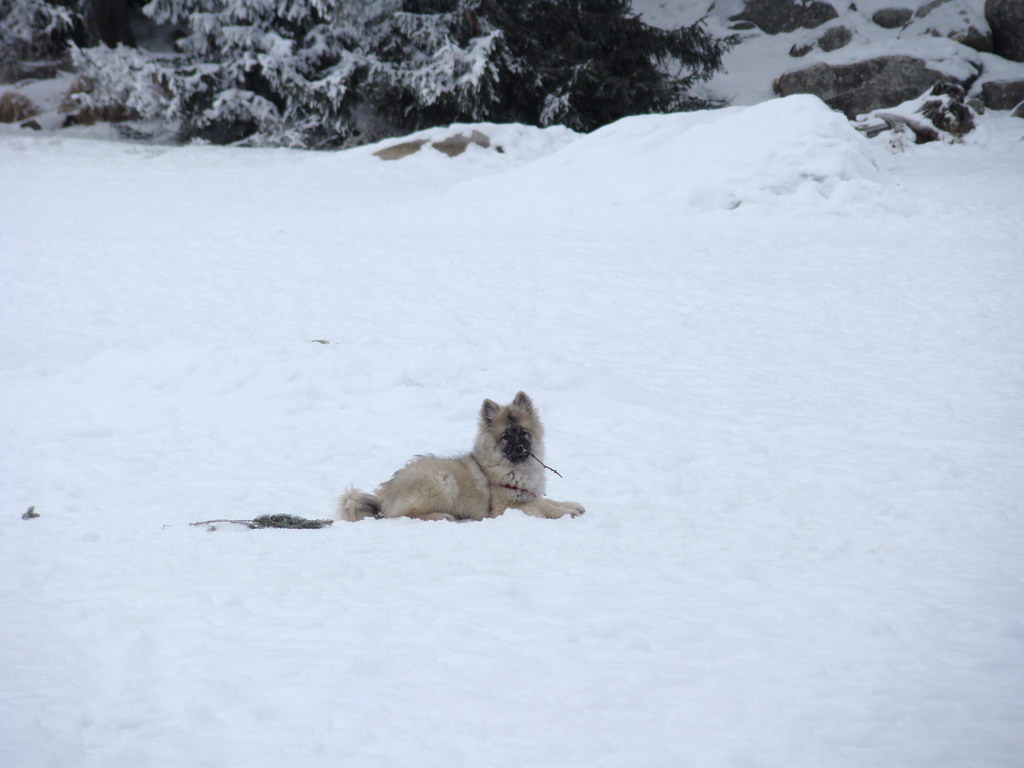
(109, 22)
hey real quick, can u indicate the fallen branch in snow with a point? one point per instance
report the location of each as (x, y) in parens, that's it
(890, 122)
(273, 521)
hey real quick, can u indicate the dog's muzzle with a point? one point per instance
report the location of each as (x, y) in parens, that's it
(516, 444)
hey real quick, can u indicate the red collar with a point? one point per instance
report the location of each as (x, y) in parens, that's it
(517, 489)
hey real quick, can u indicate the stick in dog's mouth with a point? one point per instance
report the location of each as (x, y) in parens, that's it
(546, 466)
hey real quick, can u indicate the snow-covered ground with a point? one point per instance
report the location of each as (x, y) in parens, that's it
(779, 364)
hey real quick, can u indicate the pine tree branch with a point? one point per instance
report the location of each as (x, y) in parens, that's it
(273, 521)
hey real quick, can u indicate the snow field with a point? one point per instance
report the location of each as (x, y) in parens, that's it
(795, 424)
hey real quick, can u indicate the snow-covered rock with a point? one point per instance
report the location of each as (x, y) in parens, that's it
(892, 18)
(774, 16)
(864, 86)
(1006, 18)
(1002, 94)
(452, 145)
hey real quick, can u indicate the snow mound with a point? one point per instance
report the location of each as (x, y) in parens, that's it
(792, 151)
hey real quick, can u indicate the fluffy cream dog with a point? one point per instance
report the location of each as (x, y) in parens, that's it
(504, 470)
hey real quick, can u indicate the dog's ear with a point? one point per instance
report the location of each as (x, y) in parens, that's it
(489, 411)
(523, 402)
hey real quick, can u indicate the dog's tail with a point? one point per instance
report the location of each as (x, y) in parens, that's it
(356, 505)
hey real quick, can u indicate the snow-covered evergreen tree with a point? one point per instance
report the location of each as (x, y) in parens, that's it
(324, 73)
(32, 30)
(258, 70)
(581, 63)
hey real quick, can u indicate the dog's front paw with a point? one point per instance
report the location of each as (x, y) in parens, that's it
(575, 509)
